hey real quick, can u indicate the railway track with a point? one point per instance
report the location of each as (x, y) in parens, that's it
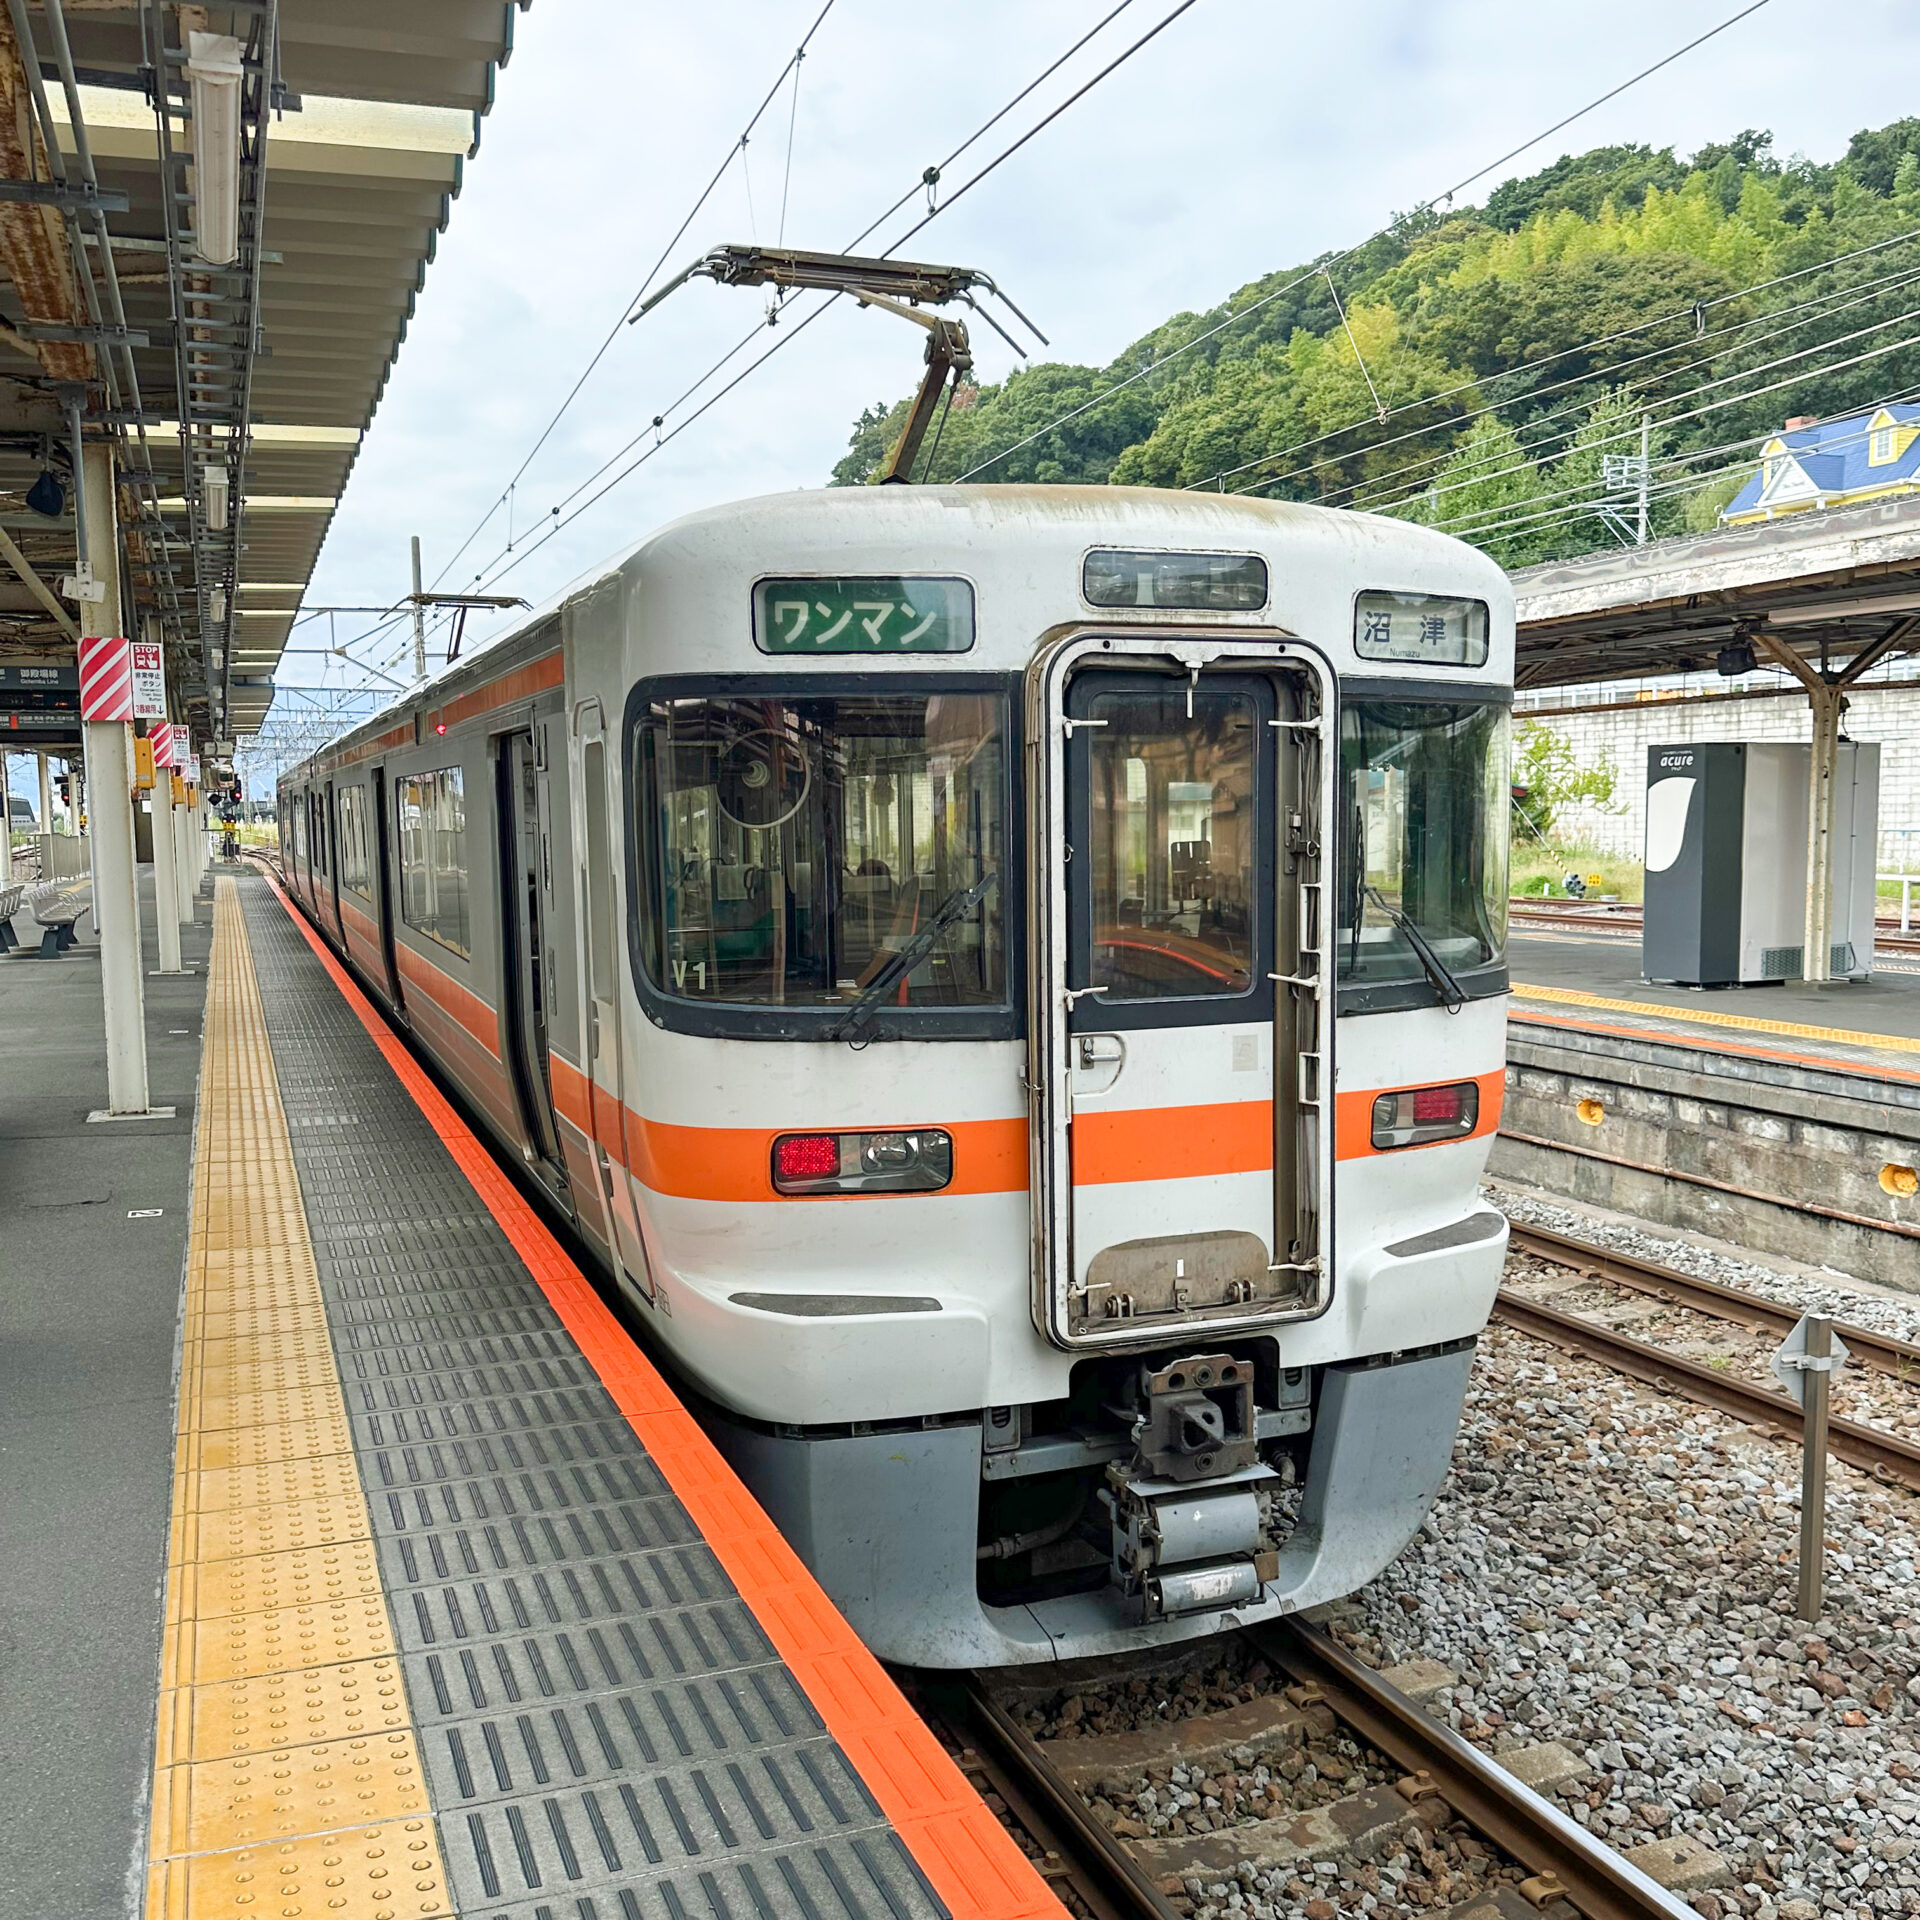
(1885, 1455)
(1432, 1778)
(1625, 923)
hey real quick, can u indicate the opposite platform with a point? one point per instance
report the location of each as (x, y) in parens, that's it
(465, 1614)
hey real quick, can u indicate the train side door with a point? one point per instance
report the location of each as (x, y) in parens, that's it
(525, 950)
(330, 828)
(1179, 1132)
(605, 1056)
(383, 881)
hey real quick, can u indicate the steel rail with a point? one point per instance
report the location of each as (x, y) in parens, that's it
(1902, 1229)
(1101, 1870)
(1884, 1455)
(1584, 1871)
(1880, 1351)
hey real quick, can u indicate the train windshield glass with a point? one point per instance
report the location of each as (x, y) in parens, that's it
(1424, 800)
(804, 847)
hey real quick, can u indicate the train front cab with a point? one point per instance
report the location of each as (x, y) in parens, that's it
(1263, 1373)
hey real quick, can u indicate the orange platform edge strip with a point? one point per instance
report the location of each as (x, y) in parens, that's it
(968, 1858)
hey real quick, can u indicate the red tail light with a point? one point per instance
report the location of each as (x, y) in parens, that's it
(898, 1160)
(1422, 1115)
(806, 1156)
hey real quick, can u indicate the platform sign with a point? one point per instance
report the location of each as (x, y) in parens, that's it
(149, 681)
(193, 769)
(106, 679)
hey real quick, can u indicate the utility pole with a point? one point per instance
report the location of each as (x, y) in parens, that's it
(46, 797)
(6, 820)
(1646, 472)
(419, 618)
(116, 894)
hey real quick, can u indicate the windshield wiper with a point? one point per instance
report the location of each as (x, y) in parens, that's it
(959, 903)
(1453, 996)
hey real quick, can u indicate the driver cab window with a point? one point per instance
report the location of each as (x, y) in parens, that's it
(1172, 832)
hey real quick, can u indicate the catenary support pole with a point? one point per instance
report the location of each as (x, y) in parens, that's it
(6, 819)
(46, 793)
(116, 893)
(419, 618)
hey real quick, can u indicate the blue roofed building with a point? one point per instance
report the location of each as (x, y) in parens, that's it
(1828, 463)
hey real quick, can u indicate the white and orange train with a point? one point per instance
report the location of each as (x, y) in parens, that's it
(1011, 983)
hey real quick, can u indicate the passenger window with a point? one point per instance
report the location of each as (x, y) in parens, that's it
(354, 866)
(1173, 830)
(432, 819)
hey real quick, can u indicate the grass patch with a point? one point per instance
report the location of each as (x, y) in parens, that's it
(1541, 870)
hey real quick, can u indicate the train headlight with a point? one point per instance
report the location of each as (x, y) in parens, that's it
(900, 1160)
(1422, 1115)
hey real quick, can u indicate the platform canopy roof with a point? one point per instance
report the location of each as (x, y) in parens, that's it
(1836, 587)
(355, 120)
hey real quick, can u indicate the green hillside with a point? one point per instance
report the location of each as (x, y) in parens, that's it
(1740, 283)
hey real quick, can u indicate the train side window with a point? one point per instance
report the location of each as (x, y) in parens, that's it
(354, 864)
(431, 814)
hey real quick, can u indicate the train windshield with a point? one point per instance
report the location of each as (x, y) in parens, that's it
(827, 850)
(1423, 842)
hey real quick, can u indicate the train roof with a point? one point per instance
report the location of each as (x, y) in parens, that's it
(1021, 546)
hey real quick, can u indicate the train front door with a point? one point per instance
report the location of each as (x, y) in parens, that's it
(1178, 1028)
(526, 878)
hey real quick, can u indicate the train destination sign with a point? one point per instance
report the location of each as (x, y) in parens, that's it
(1425, 627)
(863, 613)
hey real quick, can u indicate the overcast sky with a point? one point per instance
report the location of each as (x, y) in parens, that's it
(1249, 136)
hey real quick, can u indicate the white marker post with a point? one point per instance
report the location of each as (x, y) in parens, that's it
(1808, 1359)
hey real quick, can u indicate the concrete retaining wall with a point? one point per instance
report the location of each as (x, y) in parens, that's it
(1767, 1155)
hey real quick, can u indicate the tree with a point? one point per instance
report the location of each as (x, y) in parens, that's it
(1547, 777)
(1489, 494)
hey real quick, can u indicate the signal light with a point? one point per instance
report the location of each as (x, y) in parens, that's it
(896, 1160)
(1423, 1115)
(439, 726)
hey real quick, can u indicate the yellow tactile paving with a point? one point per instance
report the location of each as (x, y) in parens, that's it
(321, 1432)
(267, 1483)
(386, 1872)
(279, 1709)
(286, 1779)
(233, 1646)
(227, 1532)
(1705, 1017)
(206, 1589)
(273, 1795)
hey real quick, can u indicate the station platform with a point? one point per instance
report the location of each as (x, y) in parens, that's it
(1591, 980)
(463, 1614)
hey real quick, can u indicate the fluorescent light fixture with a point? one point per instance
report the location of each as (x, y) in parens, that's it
(215, 74)
(218, 656)
(216, 604)
(213, 496)
(1808, 613)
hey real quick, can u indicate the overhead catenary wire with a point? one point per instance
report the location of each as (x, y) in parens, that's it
(1827, 306)
(1708, 386)
(504, 561)
(1562, 353)
(1337, 259)
(734, 151)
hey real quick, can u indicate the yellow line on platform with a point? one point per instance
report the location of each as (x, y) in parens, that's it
(1746, 1023)
(287, 1777)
